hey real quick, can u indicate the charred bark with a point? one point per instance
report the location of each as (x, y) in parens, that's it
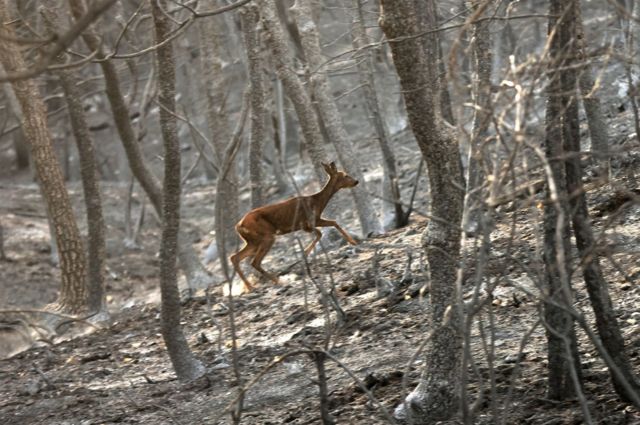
(186, 366)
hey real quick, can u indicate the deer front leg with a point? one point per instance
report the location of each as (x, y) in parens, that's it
(313, 243)
(332, 223)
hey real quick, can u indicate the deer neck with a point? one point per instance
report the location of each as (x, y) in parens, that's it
(323, 197)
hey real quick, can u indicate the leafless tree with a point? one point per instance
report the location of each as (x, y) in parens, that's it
(216, 82)
(250, 20)
(96, 301)
(437, 395)
(186, 366)
(331, 115)
(564, 364)
(197, 276)
(598, 127)
(597, 287)
(482, 114)
(73, 291)
(283, 63)
(390, 188)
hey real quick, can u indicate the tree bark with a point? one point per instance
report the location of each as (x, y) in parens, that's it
(561, 340)
(598, 127)
(197, 276)
(186, 366)
(20, 146)
(250, 18)
(73, 291)
(215, 83)
(597, 288)
(90, 183)
(437, 394)
(293, 87)
(330, 114)
(96, 300)
(390, 189)
(482, 60)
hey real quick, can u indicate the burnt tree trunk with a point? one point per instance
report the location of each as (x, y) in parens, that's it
(283, 63)
(215, 83)
(597, 288)
(561, 339)
(482, 61)
(73, 291)
(598, 127)
(250, 19)
(331, 117)
(390, 189)
(96, 300)
(186, 366)
(196, 275)
(437, 395)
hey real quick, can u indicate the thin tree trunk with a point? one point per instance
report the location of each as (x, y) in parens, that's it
(293, 86)
(391, 190)
(197, 276)
(249, 18)
(437, 395)
(3, 255)
(598, 127)
(482, 115)
(73, 291)
(186, 366)
(597, 288)
(557, 250)
(216, 82)
(328, 108)
(20, 146)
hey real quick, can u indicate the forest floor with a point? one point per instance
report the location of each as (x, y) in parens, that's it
(122, 374)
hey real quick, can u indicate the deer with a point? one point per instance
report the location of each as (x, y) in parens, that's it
(259, 227)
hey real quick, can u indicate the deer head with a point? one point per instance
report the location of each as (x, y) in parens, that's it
(342, 179)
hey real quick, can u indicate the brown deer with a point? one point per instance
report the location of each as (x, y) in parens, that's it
(259, 227)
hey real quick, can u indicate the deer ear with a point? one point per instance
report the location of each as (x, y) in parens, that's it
(333, 166)
(326, 167)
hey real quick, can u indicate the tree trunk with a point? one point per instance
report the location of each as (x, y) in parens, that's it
(187, 367)
(20, 146)
(292, 86)
(215, 83)
(597, 288)
(3, 255)
(482, 115)
(73, 291)
(598, 127)
(21, 149)
(437, 395)
(390, 191)
(561, 340)
(330, 114)
(249, 18)
(96, 301)
(90, 183)
(197, 276)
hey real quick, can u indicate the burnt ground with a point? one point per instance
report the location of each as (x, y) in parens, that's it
(122, 374)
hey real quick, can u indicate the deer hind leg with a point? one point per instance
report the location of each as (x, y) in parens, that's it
(247, 251)
(313, 243)
(332, 223)
(265, 245)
